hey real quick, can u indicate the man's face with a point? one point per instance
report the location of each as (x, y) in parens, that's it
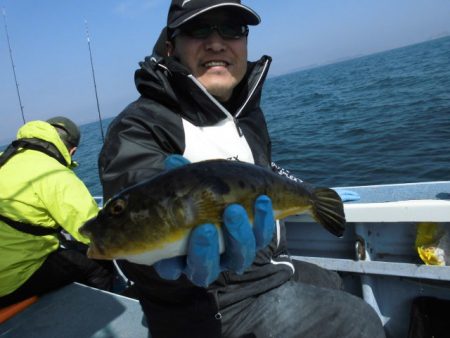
(218, 64)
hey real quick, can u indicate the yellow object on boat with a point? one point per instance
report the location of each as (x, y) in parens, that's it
(428, 243)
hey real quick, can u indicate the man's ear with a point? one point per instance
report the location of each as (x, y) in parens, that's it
(72, 150)
(169, 48)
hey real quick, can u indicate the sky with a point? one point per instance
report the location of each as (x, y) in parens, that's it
(52, 61)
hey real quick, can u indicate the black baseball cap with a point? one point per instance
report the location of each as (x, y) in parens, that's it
(72, 130)
(181, 11)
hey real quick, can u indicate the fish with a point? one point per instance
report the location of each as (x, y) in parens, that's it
(152, 220)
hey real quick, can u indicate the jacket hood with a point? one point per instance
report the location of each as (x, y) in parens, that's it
(44, 131)
(152, 81)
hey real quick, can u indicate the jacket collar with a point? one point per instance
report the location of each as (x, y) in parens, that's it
(167, 81)
(46, 132)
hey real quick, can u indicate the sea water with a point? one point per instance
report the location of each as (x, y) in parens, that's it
(378, 119)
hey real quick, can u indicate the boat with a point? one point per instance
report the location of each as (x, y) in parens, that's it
(376, 257)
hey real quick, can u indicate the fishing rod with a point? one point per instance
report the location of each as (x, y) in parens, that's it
(93, 77)
(13, 66)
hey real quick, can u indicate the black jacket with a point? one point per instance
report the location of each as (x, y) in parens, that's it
(138, 141)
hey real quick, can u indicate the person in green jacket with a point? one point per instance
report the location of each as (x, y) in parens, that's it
(40, 195)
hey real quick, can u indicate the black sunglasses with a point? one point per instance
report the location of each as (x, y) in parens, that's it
(202, 31)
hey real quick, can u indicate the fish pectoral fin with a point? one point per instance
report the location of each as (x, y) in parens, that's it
(209, 208)
(328, 210)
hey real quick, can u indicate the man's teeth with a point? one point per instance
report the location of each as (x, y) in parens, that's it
(215, 63)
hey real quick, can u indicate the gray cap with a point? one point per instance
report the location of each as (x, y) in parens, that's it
(72, 130)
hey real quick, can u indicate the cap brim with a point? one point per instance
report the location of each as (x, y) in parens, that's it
(249, 15)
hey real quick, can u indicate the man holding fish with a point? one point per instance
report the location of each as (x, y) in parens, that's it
(199, 240)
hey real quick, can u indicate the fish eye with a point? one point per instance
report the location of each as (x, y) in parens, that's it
(117, 206)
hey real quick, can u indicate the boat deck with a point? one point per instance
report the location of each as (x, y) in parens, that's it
(78, 311)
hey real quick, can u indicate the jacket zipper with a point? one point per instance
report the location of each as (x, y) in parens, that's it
(253, 89)
(222, 108)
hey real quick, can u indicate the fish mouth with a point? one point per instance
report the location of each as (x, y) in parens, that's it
(84, 229)
(84, 232)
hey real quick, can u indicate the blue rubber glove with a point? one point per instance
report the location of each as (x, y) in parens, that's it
(175, 161)
(203, 263)
(347, 195)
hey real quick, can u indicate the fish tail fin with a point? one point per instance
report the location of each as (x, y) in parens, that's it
(328, 210)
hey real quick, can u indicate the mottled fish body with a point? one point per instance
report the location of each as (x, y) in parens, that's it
(152, 220)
